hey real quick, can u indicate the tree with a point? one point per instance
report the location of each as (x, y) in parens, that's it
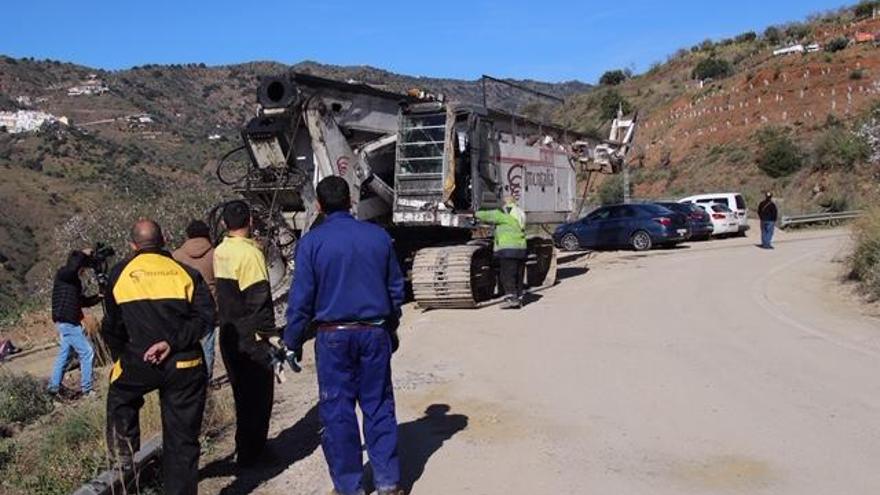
(611, 190)
(610, 101)
(778, 155)
(746, 37)
(773, 35)
(613, 78)
(837, 44)
(712, 67)
(865, 9)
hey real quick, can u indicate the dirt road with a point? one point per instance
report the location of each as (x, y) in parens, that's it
(718, 368)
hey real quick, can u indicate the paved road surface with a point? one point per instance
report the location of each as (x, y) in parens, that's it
(719, 368)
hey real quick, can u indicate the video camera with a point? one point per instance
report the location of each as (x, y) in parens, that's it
(98, 261)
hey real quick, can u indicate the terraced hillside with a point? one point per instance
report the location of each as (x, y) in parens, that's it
(697, 135)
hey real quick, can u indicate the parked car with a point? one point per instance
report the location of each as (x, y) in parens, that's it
(732, 200)
(724, 220)
(699, 220)
(640, 226)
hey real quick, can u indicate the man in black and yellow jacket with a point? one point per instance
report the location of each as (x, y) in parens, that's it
(157, 310)
(244, 301)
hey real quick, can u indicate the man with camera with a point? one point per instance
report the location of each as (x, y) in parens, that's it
(157, 310)
(68, 302)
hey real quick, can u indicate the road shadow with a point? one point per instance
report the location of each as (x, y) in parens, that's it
(674, 247)
(288, 447)
(567, 272)
(568, 258)
(530, 297)
(417, 441)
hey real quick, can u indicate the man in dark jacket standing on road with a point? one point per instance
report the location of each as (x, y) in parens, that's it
(247, 319)
(68, 302)
(198, 252)
(157, 310)
(348, 284)
(768, 214)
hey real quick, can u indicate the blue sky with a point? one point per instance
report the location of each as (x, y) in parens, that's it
(553, 40)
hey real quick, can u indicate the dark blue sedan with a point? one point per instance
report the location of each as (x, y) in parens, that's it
(699, 220)
(640, 226)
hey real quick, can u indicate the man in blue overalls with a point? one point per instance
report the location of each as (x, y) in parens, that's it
(348, 284)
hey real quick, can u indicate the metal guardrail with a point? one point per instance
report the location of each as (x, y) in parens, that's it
(788, 221)
(112, 481)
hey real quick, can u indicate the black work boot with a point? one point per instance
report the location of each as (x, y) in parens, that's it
(391, 491)
(510, 303)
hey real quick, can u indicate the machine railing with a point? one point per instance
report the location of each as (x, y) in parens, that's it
(790, 220)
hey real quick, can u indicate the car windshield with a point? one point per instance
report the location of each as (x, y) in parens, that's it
(679, 207)
(722, 201)
(654, 209)
(600, 214)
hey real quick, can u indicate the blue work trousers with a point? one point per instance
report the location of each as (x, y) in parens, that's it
(73, 339)
(354, 367)
(767, 233)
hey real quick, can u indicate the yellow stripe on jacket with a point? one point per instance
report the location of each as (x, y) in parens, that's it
(152, 277)
(240, 259)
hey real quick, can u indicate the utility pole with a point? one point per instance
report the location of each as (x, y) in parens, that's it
(625, 166)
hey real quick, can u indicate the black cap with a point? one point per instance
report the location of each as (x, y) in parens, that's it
(197, 228)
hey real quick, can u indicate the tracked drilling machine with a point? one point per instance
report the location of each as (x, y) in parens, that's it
(417, 165)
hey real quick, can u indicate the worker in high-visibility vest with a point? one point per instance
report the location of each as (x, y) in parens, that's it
(509, 247)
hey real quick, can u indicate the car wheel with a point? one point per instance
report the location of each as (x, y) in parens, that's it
(641, 241)
(570, 242)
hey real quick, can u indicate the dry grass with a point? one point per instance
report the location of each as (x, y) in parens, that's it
(66, 448)
(865, 261)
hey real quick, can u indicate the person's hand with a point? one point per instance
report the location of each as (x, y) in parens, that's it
(395, 340)
(157, 353)
(294, 357)
(88, 251)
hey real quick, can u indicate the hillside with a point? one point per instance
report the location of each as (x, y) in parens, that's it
(141, 147)
(711, 135)
(724, 114)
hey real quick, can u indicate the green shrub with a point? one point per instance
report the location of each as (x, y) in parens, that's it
(773, 35)
(613, 77)
(712, 67)
(23, 398)
(837, 44)
(611, 190)
(864, 263)
(836, 204)
(746, 37)
(7, 452)
(778, 156)
(865, 9)
(610, 101)
(69, 451)
(798, 31)
(856, 75)
(840, 148)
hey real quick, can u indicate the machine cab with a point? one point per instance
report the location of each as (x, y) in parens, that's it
(445, 165)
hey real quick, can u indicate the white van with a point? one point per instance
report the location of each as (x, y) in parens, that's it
(733, 200)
